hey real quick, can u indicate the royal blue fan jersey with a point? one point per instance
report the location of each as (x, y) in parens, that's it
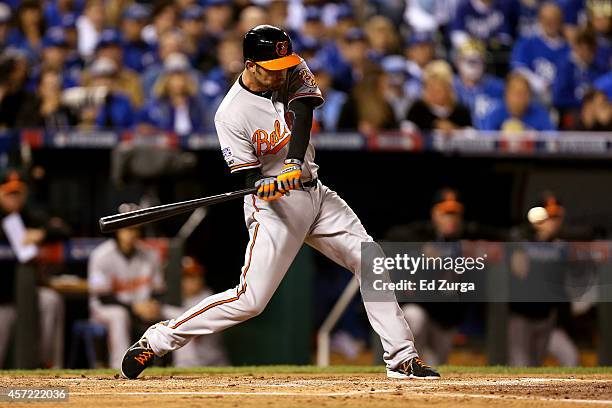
(535, 118)
(480, 99)
(482, 23)
(573, 80)
(540, 55)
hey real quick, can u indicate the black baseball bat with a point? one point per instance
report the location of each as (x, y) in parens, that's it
(138, 217)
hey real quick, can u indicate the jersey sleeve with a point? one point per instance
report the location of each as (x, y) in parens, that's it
(236, 147)
(302, 84)
(520, 55)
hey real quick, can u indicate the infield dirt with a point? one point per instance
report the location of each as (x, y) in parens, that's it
(253, 389)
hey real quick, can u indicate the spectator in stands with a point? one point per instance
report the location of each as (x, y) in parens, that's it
(367, 109)
(523, 16)
(13, 93)
(354, 59)
(435, 324)
(218, 16)
(343, 20)
(109, 47)
(5, 19)
(196, 43)
(382, 36)
(476, 89)
(54, 57)
(171, 43)
(176, 107)
(326, 116)
(219, 79)
(312, 30)
(574, 15)
(483, 20)
(539, 57)
(202, 351)
(28, 33)
(116, 110)
(74, 62)
(55, 11)
(182, 5)
(419, 52)
(137, 54)
(596, 112)
(163, 21)
(39, 229)
(519, 112)
(599, 14)
(46, 110)
(250, 17)
(278, 11)
(438, 108)
(604, 84)
(89, 27)
(394, 89)
(428, 17)
(577, 73)
(125, 286)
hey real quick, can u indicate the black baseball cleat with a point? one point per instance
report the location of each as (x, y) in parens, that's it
(414, 368)
(137, 358)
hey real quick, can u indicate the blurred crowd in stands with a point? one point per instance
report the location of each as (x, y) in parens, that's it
(165, 65)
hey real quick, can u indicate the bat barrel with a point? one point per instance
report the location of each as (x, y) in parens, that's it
(145, 215)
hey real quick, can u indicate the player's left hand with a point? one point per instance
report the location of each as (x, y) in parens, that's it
(267, 189)
(289, 177)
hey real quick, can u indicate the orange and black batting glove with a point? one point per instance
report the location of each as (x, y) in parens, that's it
(267, 189)
(289, 177)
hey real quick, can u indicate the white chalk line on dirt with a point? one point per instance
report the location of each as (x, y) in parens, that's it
(232, 393)
(523, 381)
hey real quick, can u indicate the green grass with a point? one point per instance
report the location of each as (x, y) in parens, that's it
(307, 369)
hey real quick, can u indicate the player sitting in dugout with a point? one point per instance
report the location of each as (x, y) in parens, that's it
(125, 284)
(39, 229)
(434, 325)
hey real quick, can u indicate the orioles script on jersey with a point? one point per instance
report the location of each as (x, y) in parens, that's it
(270, 143)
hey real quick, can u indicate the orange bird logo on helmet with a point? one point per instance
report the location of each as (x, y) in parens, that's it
(282, 47)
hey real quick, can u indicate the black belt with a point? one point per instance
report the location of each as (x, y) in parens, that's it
(310, 183)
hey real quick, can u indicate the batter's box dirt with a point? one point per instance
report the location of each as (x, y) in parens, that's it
(332, 387)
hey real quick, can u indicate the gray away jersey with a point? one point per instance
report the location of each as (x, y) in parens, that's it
(255, 131)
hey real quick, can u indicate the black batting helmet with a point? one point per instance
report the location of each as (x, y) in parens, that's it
(269, 47)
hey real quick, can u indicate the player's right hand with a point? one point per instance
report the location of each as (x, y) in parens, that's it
(267, 189)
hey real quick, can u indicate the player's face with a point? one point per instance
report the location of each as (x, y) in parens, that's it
(127, 238)
(269, 80)
(12, 201)
(448, 225)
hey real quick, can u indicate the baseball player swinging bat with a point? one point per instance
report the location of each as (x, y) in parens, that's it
(263, 125)
(138, 217)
